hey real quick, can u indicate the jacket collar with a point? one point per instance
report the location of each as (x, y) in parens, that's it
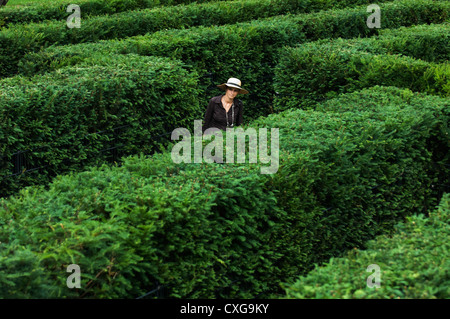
(217, 99)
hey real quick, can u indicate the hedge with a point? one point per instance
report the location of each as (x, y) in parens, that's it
(413, 264)
(316, 71)
(366, 175)
(429, 42)
(69, 119)
(247, 50)
(225, 230)
(18, 40)
(38, 12)
(438, 143)
(426, 42)
(193, 230)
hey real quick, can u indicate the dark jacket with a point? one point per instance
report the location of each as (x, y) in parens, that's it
(215, 115)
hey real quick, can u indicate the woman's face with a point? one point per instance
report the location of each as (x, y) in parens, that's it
(232, 92)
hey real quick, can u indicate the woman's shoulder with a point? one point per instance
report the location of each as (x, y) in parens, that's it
(216, 99)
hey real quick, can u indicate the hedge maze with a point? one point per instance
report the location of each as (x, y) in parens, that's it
(87, 177)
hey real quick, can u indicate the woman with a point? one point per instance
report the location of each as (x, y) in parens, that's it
(225, 110)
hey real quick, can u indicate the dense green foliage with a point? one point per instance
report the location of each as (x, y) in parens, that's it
(17, 40)
(225, 230)
(249, 49)
(149, 221)
(354, 159)
(349, 175)
(426, 42)
(206, 49)
(438, 143)
(319, 70)
(68, 120)
(413, 263)
(57, 10)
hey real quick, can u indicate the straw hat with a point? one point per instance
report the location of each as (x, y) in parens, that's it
(234, 83)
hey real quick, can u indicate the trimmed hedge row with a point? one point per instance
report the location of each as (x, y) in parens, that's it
(225, 230)
(248, 49)
(192, 230)
(429, 42)
(69, 119)
(38, 12)
(18, 40)
(426, 42)
(316, 71)
(438, 144)
(373, 167)
(413, 263)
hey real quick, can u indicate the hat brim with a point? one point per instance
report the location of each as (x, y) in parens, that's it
(224, 86)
